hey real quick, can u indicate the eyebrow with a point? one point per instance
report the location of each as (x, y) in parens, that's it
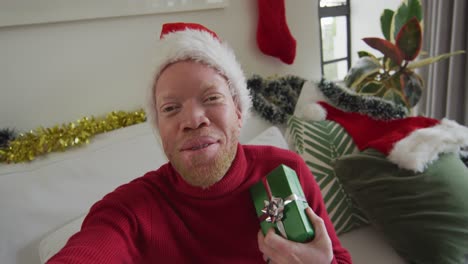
(163, 98)
(207, 88)
(215, 84)
(210, 87)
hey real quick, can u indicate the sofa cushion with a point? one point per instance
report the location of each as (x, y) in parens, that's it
(319, 143)
(424, 216)
(368, 246)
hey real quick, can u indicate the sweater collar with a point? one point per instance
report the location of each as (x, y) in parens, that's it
(234, 177)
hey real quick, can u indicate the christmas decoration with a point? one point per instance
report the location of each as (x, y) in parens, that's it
(6, 135)
(273, 35)
(280, 203)
(412, 142)
(349, 101)
(275, 98)
(28, 146)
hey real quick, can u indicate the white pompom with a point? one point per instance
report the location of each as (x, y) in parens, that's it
(314, 112)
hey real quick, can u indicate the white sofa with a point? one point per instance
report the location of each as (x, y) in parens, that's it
(43, 202)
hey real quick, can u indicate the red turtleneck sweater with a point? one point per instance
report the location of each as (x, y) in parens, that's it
(159, 218)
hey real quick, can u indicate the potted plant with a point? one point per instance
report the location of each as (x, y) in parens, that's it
(392, 77)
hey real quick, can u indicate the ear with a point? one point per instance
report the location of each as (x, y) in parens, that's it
(239, 117)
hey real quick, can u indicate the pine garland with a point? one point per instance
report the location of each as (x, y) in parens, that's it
(275, 98)
(349, 101)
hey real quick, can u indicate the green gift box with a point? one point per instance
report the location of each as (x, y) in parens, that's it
(280, 203)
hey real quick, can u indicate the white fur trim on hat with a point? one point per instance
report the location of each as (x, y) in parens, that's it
(313, 112)
(307, 106)
(203, 47)
(423, 146)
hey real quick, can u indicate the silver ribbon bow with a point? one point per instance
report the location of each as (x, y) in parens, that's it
(274, 208)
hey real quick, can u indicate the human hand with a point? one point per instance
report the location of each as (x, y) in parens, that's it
(278, 250)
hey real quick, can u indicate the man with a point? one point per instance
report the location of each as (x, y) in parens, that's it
(197, 208)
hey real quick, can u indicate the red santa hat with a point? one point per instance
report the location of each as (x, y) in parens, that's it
(412, 142)
(190, 41)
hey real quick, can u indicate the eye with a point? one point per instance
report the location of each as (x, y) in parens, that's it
(213, 98)
(169, 108)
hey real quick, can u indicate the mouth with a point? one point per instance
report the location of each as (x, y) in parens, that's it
(198, 143)
(199, 147)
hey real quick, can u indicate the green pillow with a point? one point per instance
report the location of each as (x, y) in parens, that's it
(319, 143)
(424, 216)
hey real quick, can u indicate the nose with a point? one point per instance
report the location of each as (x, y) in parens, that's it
(194, 116)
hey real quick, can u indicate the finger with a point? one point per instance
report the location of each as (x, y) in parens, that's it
(274, 241)
(317, 222)
(277, 248)
(265, 249)
(260, 235)
(261, 243)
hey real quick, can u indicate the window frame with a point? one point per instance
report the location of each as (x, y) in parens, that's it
(335, 11)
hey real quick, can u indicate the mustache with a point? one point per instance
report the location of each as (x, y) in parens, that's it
(197, 134)
(200, 133)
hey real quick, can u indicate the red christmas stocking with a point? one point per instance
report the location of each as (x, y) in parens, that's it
(273, 35)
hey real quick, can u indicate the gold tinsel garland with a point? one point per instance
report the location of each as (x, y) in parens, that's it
(27, 146)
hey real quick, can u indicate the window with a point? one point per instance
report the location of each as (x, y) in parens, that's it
(335, 39)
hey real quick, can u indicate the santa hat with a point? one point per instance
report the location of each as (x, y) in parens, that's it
(412, 142)
(190, 41)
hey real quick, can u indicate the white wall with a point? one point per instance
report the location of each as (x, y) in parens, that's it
(56, 73)
(365, 22)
